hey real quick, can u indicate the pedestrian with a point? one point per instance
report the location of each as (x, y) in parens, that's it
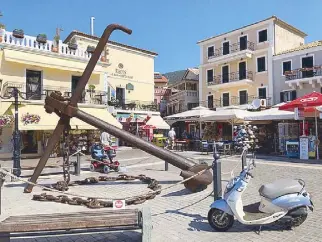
(172, 136)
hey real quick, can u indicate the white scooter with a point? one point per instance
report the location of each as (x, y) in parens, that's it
(284, 202)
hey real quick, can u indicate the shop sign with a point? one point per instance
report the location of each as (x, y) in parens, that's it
(129, 87)
(298, 114)
(120, 72)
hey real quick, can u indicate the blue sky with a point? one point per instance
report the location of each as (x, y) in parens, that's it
(169, 27)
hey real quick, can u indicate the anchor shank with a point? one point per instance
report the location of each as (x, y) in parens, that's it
(146, 146)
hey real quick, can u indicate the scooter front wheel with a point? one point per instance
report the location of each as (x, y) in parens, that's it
(219, 220)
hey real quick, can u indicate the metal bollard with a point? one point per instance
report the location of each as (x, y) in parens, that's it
(77, 164)
(216, 172)
(244, 160)
(166, 166)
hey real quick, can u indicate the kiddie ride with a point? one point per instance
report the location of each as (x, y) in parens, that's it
(284, 202)
(103, 158)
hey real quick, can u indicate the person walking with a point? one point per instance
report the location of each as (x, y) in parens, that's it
(172, 136)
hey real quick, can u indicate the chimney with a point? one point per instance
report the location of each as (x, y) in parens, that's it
(92, 25)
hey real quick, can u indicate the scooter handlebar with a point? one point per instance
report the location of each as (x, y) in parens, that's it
(249, 174)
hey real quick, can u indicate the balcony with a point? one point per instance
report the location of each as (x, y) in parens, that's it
(134, 105)
(184, 95)
(89, 96)
(179, 108)
(298, 77)
(232, 79)
(30, 43)
(234, 52)
(235, 101)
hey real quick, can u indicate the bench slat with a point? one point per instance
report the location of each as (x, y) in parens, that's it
(68, 219)
(80, 214)
(66, 225)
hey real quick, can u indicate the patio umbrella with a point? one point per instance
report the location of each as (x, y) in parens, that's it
(231, 115)
(307, 103)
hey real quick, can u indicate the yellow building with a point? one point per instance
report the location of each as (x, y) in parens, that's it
(38, 67)
(236, 67)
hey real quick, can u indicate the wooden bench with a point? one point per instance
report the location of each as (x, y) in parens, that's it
(69, 223)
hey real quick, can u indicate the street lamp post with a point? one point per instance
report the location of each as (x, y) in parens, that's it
(16, 137)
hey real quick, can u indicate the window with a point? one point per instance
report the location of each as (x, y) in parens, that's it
(242, 97)
(225, 74)
(225, 99)
(33, 84)
(287, 96)
(211, 51)
(210, 101)
(75, 80)
(262, 36)
(261, 64)
(210, 75)
(287, 66)
(262, 93)
(225, 48)
(243, 42)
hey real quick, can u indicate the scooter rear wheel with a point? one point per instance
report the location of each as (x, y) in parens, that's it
(219, 220)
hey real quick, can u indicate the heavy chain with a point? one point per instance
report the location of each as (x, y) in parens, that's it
(66, 163)
(96, 203)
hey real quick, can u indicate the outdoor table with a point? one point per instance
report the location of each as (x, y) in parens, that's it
(182, 144)
(99, 96)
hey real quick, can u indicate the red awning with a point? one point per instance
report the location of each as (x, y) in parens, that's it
(306, 102)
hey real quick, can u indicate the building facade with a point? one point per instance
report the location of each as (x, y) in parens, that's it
(236, 67)
(161, 93)
(122, 81)
(297, 72)
(184, 90)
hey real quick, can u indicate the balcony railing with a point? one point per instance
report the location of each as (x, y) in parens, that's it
(89, 96)
(231, 77)
(31, 43)
(182, 94)
(134, 105)
(303, 73)
(182, 107)
(236, 47)
(234, 101)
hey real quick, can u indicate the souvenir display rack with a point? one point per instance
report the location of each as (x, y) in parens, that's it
(287, 132)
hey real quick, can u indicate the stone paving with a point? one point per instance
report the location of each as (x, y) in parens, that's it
(177, 215)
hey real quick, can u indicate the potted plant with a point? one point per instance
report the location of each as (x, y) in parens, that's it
(56, 43)
(18, 33)
(103, 58)
(2, 31)
(90, 49)
(72, 44)
(42, 38)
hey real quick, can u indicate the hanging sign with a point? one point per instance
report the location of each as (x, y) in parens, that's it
(298, 114)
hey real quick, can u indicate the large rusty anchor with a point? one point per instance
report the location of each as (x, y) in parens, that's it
(66, 109)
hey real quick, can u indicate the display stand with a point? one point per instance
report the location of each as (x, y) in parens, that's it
(304, 148)
(292, 149)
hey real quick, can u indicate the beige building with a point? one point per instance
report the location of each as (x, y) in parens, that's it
(236, 67)
(37, 66)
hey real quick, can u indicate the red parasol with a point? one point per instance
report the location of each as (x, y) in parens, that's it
(307, 102)
(147, 126)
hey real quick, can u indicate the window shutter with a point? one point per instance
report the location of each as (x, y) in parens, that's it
(293, 95)
(281, 97)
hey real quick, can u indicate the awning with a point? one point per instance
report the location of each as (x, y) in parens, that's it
(49, 121)
(122, 117)
(100, 113)
(30, 58)
(4, 106)
(158, 122)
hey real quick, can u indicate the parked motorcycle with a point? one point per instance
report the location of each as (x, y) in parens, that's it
(284, 202)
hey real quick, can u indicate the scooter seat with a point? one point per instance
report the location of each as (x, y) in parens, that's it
(280, 188)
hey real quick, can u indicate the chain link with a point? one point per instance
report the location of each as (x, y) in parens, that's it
(66, 163)
(96, 203)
